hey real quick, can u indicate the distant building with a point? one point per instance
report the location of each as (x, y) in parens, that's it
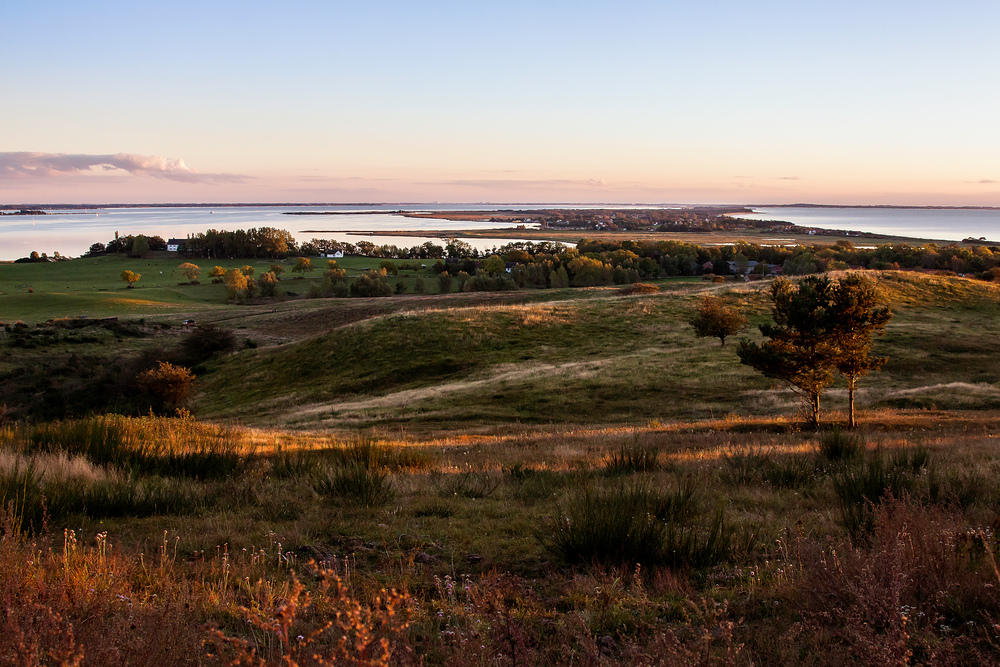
(334, 253)
(173, 245)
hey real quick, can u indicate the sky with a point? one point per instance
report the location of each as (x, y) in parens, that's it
(874, 102)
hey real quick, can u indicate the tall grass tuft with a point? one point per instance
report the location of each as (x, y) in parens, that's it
(862, 485)
(356, 483)
(376, 454)
(630, 524)
(20, 497)
(744, 464)
(839, 446)
(529, 485)
(469, 484)
(631, 458)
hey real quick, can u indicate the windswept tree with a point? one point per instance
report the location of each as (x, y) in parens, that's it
(715, 319)
(799, 348)
(130, 277)
(857, 315)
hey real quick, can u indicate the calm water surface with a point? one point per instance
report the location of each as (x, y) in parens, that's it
(925, 223)
(73, 232)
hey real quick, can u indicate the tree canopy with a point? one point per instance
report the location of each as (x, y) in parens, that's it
(820, 327)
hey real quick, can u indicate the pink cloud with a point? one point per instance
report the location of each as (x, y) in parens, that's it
(42, 165)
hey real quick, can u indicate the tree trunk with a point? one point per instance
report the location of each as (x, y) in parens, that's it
(851, 424)
(814, 404)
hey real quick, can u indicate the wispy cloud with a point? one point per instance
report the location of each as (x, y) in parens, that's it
(788, 178)
(499, 183)
(42, 165)
(986, 181)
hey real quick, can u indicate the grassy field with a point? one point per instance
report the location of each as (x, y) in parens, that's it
(536, 477)
(527, 548)
(93, 286)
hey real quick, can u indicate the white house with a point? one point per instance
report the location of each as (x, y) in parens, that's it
(334, 253)
(173, 245)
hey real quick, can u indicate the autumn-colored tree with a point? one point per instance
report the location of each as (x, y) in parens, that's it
(248, 270)
(217, 274)
(236, 284)
(191, 271)
(715, 319)
(302, 264)
(130, 277)
(277, 269)
(268, 283)
(167, 384)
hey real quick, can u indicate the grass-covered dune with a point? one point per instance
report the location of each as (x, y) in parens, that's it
(606, 358)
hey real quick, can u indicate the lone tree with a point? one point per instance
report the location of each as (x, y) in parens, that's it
(856, 316)
(130, 277)
(191, 271)
(302, 264)
(820, 327)
(717, 320)
(799, 349)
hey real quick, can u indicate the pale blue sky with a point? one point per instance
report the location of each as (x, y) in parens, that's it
(842, 102)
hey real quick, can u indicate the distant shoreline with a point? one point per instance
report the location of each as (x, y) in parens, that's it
(512, 206)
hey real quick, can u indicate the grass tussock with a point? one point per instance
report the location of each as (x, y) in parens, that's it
(629, 524)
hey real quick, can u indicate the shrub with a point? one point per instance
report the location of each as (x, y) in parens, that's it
(168, 385)
(371, 284)
(444, 282)
(639, 288)
(205, 341)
